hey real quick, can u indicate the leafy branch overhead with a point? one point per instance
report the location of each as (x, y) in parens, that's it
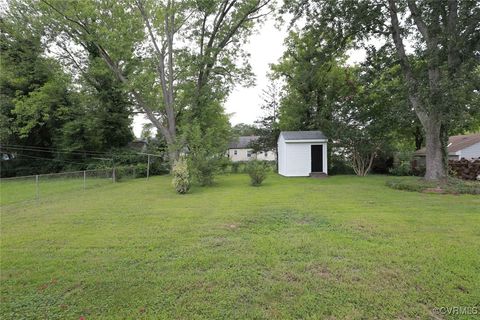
(171, 57)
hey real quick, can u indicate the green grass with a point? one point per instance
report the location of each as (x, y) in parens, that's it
(338, 248)
(24, 188)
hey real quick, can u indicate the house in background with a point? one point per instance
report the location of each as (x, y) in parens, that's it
(240, 150)
(459, 147)
(138, 145)
(302, 153)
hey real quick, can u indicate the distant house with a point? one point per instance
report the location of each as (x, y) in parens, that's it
(463, 146)
(302, 153)
(138, 145)
(240, 149)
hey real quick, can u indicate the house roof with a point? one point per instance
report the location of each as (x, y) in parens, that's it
(303, 135)
(242, 142)
(456, 143)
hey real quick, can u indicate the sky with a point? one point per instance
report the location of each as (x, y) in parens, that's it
(266, 46)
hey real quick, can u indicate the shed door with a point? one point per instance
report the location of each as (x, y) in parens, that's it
(317, 158)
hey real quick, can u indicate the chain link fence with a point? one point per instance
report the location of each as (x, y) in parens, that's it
(35, 187)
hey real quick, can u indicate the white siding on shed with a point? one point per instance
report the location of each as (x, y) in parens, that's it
(282, 167)
(295, 158)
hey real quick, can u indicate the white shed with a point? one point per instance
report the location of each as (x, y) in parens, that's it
(301, 153)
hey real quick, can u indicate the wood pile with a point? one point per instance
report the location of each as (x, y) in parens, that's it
(465, 169)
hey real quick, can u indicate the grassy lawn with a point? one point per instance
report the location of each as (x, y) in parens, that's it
(338, 248)
(24, 189)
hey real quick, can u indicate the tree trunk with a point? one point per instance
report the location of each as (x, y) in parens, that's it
(434, 155)
(430, 119)
(418, 138)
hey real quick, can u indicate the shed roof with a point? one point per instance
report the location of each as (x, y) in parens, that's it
(242, 142)
(303, 135)
(456, 143)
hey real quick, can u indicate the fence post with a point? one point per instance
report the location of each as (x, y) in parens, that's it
(84, 180)
(37, 193)
(148, 166)
(113, 175)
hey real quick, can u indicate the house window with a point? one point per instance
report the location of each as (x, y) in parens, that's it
(249, 154)
(235, 152)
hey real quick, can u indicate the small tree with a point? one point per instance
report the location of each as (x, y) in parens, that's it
(206, 150)
(181, 177)
(268, 126)
(257, 170)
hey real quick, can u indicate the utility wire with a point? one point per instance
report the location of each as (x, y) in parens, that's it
(53, 150)
(48, 148)
(42, 158)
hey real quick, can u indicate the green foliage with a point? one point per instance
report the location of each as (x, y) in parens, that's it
(440, 75)
(133, 171)
(243, 129)
(181, 177)
(402, 164)
(207, 137)
(257, 170)
(268, 124)
(41, 109)
(337, 164)
(451, 185)
(322, 92)
(235, 166)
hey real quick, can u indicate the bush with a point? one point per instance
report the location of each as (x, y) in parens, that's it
(235, 166)
(402, 169)
(257, 170)
(450, 186)
(181, 177)
(140, 170)
(205, 172)
(120, 173)
(402, 165)
(338, 165)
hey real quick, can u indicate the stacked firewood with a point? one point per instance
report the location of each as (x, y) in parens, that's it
(465, 169)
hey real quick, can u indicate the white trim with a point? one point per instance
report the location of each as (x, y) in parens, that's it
(307, 141)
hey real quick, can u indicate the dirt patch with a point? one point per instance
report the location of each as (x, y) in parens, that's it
(437, 190)
(462, 289)
(44, 286)
(231, 226)
(320, 270)
(291, 277)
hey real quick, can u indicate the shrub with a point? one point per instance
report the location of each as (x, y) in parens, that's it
(402, 165)
(140, 170)
(338, 165)
(451, 185)
(402, 169)
(235, 166)
(120, 173)
(205, 171)
(257, 170)
(181, 177)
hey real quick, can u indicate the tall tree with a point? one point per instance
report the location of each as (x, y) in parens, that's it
(35, 99)
(169, 55)
(268, 123)
(103, 118)
(438, 73)
(244, 129)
